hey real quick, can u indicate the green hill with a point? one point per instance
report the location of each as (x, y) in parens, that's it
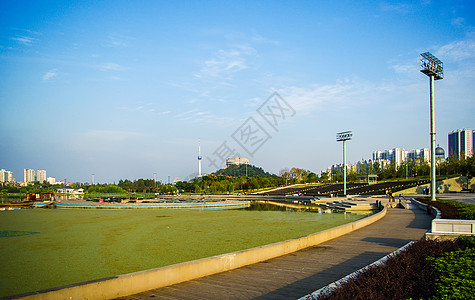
(236, 171)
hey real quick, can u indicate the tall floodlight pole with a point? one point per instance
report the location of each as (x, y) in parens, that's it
(343, 137)
(434, 68)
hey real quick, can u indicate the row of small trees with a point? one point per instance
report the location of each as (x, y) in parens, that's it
(411, 168)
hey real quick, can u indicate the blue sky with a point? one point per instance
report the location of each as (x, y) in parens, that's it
(125, 89)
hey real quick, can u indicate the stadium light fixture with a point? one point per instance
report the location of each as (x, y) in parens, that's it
(434, 68)
(343, 137)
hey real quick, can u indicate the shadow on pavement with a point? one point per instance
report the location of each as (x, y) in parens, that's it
(391, 242)
(423, 221)
(300, 288)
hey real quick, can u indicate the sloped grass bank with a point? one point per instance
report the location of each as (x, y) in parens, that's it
(428, 269)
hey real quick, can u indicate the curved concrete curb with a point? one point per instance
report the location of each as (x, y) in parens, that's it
(433, 210)
(134, 283)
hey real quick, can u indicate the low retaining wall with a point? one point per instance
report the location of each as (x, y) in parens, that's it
(445, 229)
(133, 283)
(453, 226)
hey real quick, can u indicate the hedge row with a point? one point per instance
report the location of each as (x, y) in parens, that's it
(428, 269)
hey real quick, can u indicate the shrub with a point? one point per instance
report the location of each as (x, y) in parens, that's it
(428, 269)
(456, 274)
(466, 241)
(403, 276)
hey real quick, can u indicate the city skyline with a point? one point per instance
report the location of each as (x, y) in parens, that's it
(394, 154)
(125, 90)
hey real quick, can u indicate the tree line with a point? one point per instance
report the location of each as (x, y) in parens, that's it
(224, 184)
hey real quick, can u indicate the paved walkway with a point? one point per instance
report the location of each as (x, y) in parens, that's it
(295, 275)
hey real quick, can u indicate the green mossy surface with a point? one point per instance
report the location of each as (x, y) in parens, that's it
(73, 246)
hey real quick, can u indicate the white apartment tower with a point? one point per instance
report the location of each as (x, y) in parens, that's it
(29, 175)
(9, 176)
(41, 176)
(3, 175)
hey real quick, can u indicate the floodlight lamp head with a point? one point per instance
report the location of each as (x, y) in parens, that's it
(432, 66)
(344, 136)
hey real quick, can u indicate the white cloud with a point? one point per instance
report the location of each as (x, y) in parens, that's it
(50, 74)
(145, 108)
(110, 67)
(458, 22)
(345, 94)
(206, 117)
(457, 50)
(117, 40)
(25, 40)
(226, 62)
(406, 68)
(400, 8)
(187, 115)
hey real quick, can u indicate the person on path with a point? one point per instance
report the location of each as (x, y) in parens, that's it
(391, 196)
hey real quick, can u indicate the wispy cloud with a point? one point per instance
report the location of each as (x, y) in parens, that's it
(199, 116)
(132, 109)
(111, 67)
(25, 40)
(187, 115)
(226, 62)
(406, 68)
(117, 40)
(458, 22)
(400, 8)
(457, 50)
(50, 74)
(259, 38)
(348, 93)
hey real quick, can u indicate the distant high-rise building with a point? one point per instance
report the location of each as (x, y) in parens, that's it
(3, 175)
(29, 175)
(397, 155)
(51, 180)
(460, 143)
(41, 176)
(419, 154)
(9, 176)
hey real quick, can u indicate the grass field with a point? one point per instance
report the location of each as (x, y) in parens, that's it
(44, 248)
